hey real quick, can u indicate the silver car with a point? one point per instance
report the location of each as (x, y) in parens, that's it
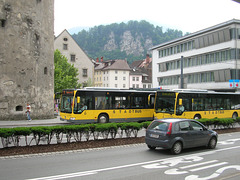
(177, 134)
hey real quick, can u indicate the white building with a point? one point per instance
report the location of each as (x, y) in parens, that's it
(112, 73)
(76, 56)
(210, 59)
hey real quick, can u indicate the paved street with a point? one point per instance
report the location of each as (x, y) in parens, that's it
(130, 162)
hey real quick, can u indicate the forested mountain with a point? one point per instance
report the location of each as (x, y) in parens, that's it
(130, 40)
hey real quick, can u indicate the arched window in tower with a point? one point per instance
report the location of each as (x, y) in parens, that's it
(45, 70)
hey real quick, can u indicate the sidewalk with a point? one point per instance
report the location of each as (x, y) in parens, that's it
(14, 123)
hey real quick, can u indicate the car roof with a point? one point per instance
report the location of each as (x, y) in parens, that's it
(168, 120)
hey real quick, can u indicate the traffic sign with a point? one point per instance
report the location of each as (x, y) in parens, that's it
(234, 83)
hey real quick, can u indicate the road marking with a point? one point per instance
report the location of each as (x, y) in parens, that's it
(215, 174)
(227, 142)
(210, 166)
(199, 164)
(91, 172)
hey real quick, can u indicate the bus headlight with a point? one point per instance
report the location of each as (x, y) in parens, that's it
(72, 118)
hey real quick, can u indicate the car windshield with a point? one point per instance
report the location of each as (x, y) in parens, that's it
(160, 126)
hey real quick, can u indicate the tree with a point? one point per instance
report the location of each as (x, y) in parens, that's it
(65, 74)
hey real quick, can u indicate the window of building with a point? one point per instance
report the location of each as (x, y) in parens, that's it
(65, 39)
(45, 70)
(85, 72)
(124, 78)
(149, 86)
(115, 85)
(133, 85)
(144, 86)
(124, 85)
(19, 108)
(137, 85)
(116, 72)
(133, 78)
(65, 46)
(137, 78)
(73, 57)
(116, 78)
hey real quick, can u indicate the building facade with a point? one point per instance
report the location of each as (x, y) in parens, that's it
(141, 73)
(26, 58)
(112, 73)
(210, 59)
(76, 56)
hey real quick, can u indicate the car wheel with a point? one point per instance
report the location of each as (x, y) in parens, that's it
(102, 118)
(212, 143)
(177, 148)
(151, 147)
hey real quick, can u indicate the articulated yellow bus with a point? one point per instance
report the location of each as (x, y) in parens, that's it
(196, 104)
(106, 105)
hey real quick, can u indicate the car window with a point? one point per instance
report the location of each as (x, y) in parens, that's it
(161, 126)
(184, 126)
(196, 126)
(176, 127)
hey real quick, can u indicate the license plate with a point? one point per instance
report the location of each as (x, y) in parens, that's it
(154, 135)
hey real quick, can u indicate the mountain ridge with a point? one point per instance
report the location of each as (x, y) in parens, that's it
(131, 40)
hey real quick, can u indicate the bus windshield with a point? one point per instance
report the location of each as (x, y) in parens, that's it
(67, 102)
(165, 103)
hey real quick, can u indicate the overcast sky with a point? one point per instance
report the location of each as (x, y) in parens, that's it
(185, 15)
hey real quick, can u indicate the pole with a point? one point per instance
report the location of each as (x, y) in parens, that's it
(182, 73)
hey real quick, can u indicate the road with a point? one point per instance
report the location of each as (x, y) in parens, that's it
(130, 162)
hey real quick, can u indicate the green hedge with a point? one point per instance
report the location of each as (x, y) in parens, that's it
(219, 122)
(79, 132)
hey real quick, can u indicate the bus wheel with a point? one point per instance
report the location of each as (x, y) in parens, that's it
(235, 115)
(197, 116)
(102, 118)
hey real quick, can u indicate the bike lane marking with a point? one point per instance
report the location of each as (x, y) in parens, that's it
(171, 161)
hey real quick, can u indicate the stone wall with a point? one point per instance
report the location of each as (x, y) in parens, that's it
(26, 58)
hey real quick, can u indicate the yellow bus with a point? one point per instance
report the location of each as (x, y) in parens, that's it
(196, 104)
(101, 105)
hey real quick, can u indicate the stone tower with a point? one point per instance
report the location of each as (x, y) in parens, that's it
(26, 58)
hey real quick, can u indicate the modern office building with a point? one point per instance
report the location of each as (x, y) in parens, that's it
(210, 59)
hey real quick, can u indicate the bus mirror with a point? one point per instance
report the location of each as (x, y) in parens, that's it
(180, 102)
(78, 100)
(149, 98)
